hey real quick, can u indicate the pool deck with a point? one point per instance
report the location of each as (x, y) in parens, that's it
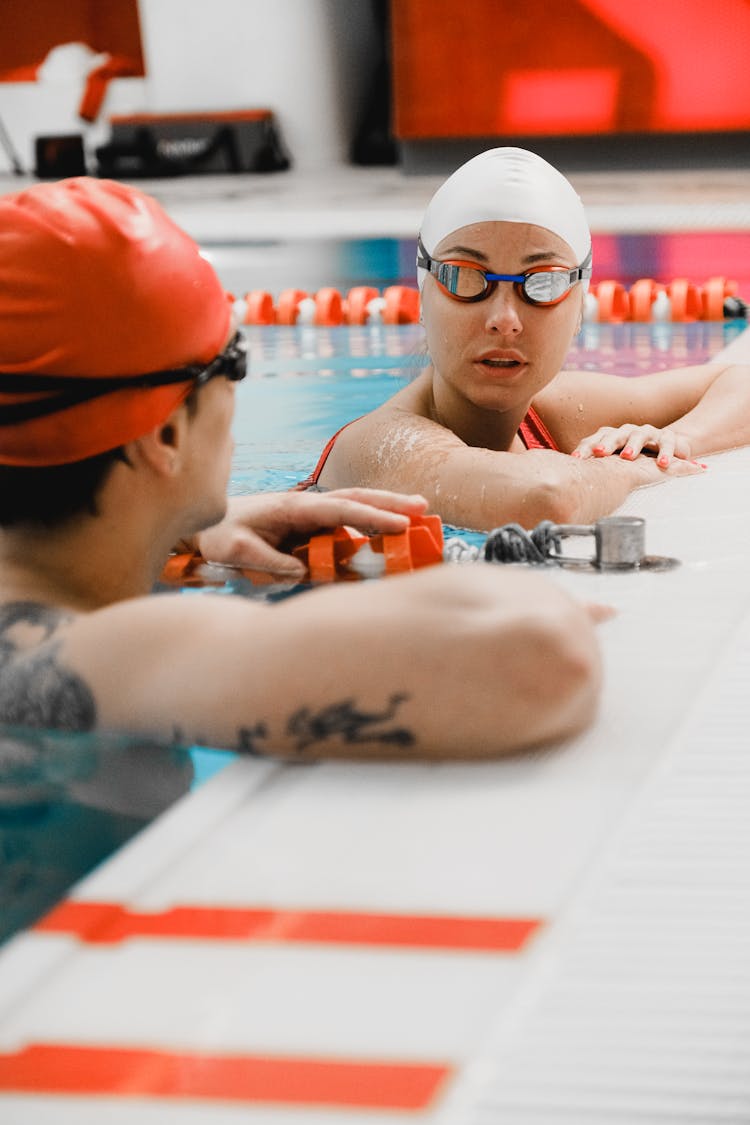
(351, 202)
(558, 938)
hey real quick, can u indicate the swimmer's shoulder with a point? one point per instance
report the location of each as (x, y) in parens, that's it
(36, 688)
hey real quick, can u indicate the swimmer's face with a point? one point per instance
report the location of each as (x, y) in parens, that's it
(501, 351)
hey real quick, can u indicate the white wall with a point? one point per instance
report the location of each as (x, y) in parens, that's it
(309, 61)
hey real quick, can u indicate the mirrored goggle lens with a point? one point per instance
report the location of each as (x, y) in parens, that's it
(546, 286)
(462, 281)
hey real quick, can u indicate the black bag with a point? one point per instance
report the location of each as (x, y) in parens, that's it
(181, 145)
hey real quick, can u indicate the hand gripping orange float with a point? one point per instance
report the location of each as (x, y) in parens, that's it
(331, 556)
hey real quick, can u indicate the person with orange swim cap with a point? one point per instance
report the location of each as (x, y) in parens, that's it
(496, 429)
(118, 369)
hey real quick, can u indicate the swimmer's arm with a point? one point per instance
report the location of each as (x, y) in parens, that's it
(687, 412)
(433, 665)
(481, 488)
(258, 531)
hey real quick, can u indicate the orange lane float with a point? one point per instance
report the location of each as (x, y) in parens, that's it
(680, 301)
(609, 302)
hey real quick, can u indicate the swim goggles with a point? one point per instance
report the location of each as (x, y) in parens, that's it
(64, 391)
(542, 285)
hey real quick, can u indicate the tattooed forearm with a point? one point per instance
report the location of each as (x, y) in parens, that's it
(344, 721)
(37, 690)
(312, 729)
(249, 739)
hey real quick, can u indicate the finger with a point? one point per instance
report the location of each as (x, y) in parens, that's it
(681, 468)
(636, 439)
(330, 512)
(598, 612)
(611, 440)
(261, 556)
(682, 448)
(585, 447)
(666, 451)
(410, 504)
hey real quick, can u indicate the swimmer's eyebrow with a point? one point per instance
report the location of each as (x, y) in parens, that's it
(529, 260)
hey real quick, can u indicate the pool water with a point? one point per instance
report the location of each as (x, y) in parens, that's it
(67, 801)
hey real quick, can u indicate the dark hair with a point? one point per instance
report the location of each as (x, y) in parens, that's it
(51, 495)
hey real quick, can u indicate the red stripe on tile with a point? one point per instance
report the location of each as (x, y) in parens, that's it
(51, 1068)
(101, 922)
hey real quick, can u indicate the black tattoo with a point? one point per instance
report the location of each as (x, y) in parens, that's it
(249, 737)
(35, 689)
(349, 724)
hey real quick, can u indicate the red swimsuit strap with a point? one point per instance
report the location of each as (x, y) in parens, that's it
(312, 480)
(534, 434)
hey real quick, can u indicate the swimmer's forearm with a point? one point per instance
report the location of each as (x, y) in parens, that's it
(541, 485)
(442, 664)
(452, 670)
(721, 420)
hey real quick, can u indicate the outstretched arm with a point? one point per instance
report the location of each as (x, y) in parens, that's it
(685, 413)
(447, 663)
(482, 488)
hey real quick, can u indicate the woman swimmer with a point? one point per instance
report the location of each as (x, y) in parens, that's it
(493, 430)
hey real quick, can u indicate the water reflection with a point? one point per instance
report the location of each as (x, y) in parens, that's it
(67, 801)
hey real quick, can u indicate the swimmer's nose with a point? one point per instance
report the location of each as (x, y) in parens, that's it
(502, 307)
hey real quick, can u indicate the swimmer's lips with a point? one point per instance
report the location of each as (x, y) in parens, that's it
(502, 362)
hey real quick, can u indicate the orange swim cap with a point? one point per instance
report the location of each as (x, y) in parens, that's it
(96, 280)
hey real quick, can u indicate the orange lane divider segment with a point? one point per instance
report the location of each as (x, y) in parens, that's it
(612, 302)
(108, 923)
(713, 295)
(641, 298)
(356, 302)
(140, 1072)
(685, 300)
(679, 300)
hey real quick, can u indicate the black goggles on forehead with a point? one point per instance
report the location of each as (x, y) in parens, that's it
(466, 281)
(64, 391)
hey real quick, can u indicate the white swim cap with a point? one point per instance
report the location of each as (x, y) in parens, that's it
(508, 185)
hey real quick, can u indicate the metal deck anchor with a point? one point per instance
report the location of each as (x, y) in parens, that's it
(619, 545)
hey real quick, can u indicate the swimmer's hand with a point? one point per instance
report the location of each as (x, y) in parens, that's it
(629, 441)
(598, 612)
(258, 531)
